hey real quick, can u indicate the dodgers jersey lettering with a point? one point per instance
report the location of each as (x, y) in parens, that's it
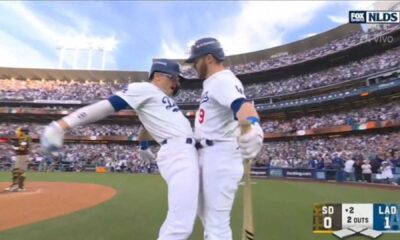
(215, 119)
(159, 113)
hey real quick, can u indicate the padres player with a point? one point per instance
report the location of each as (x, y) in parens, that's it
(21, 147)
(177, 158)
(221, 153)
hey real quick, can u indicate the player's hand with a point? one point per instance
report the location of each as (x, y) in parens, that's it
(251, 142)
(146, 155)
(52, 138)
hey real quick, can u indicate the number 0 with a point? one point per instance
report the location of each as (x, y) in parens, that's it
(327, 222)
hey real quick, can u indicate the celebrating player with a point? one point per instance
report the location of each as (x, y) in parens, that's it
(222, 104)
(162, 118)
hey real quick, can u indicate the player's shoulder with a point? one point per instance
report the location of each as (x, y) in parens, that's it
(140, 87)
(226, 76)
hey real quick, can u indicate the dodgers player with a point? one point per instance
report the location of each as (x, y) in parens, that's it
(216, 128)
(177, 159)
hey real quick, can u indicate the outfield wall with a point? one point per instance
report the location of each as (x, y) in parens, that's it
(307, 173)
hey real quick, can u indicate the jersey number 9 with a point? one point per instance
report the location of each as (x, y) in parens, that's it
(201, 115)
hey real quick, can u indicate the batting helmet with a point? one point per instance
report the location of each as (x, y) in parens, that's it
(169, 67)
(206, 46)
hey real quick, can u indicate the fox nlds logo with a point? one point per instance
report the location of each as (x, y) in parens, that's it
(374, 17)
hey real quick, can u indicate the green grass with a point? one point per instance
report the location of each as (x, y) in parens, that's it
(283, 210)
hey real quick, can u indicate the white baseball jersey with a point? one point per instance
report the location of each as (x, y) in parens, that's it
(215, 119)
(158, 113)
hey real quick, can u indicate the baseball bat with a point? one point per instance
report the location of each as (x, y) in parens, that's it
(248, 221)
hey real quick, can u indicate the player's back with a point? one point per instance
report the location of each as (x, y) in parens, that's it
(159, 113)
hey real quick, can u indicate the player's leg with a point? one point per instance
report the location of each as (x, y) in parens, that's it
(21, 181)
(201, 207)
(221, 173)
(179, 167)
(15, 175)
(22, 164)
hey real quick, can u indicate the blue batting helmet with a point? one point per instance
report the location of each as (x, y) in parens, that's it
(206, 46)
(166, 66)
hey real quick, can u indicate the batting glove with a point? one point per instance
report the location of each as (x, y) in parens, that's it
(52, 138)
(146, 155)
(251, 142)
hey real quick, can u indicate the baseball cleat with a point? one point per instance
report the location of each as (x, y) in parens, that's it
(11, 188)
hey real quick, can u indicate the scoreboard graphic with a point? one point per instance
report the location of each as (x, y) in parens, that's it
(347, 219)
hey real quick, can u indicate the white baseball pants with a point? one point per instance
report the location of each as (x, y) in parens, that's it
(221, 169)
(179, 167)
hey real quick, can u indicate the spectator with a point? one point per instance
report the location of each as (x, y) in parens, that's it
(358, 170)
(397, 158)
(313, 163)
(349, 170)
(366, 171)
(386, 172)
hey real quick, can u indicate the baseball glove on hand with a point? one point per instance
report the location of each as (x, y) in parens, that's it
(146, 155)
(251, 142)
(52, 138)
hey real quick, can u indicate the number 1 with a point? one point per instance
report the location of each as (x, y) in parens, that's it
(387, 225)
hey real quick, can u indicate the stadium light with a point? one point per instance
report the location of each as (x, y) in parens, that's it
(84, 43)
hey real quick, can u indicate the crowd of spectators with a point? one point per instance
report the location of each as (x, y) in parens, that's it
(81, 157)
(374, 148)
(282, 60)
(14, 89)
(360, 115)
(373, 112)
(91, 91)
(386, 60)
(320, 153)
(87, 130)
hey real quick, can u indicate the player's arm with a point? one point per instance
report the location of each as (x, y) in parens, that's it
(93, 112)
(231, 94)
(246, 111)
(145, 152)
(53, 135)
(251, 142)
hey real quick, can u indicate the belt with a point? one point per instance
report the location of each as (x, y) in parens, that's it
(188, 141)
(204, 143)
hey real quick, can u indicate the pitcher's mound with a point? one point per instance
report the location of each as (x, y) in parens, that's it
(44, 200)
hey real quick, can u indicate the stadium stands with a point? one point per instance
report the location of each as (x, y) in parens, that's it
(291, 152)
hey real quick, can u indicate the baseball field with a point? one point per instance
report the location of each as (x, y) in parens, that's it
(283, 209)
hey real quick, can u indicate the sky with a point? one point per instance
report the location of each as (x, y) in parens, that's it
(142, 30)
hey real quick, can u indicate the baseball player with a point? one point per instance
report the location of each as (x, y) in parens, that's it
(177, 158)
(221, 149)
(21, 147)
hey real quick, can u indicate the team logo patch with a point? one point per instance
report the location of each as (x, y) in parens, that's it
(239, 89)
(170, 104)
(204, 97)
